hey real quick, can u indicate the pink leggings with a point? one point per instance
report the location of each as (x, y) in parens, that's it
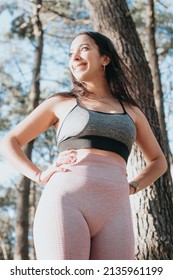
(85, 213)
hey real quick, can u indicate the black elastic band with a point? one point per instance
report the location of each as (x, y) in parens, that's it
(97, 142)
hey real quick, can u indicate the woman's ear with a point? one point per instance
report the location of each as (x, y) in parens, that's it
(105, 60)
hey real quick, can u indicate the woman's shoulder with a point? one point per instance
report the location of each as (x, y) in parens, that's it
(61, 103)
(61, 96)
(56, 104)
(135, 113)
(59, 99)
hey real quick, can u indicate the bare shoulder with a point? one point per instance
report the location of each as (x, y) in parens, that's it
(61, 103)
(59, 99)
(143, 128)
(57, 104)
(40, 119)
(136, 114)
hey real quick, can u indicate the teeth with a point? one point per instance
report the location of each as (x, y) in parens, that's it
(80, 67)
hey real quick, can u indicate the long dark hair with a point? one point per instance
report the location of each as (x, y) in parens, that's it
(119, 84)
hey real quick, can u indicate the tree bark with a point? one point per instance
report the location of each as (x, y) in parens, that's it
(152, 208)
(154, 66)
(22, 220)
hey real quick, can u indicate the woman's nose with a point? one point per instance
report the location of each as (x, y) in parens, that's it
(76, 56)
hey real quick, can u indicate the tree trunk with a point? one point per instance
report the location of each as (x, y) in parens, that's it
(22, 220)
(152, 208)
(154, 66)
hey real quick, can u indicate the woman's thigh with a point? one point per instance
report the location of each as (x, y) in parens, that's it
(61, 234)
(115, 241)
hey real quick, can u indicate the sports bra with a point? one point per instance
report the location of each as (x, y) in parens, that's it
(85, 128)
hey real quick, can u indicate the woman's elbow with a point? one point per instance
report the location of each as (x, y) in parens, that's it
(6, 143)
(164, 165)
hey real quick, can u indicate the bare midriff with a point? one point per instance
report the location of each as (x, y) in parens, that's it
(102, 152)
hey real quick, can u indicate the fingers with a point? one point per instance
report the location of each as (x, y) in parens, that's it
(65, 160)
(66, 157)
(45, 175)
(57, 168)
(66, 153)
(62, 170)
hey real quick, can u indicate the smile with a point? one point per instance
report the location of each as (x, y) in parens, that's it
(80, 67)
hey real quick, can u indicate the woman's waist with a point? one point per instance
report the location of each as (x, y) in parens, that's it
(106, 154)
(95, 157)
(95, 143)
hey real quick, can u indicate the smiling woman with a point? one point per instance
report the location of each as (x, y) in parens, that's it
(84, 211)
(85, 60)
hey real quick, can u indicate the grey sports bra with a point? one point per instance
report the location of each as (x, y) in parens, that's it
(84, 128)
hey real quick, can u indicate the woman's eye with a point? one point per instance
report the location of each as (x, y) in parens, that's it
(84, 48)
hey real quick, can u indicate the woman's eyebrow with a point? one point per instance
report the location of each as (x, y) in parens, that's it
(81, 45)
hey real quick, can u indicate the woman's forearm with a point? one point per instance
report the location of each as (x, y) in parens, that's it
(151, 173)
(12, 152)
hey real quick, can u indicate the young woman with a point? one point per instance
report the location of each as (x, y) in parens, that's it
(84, 210)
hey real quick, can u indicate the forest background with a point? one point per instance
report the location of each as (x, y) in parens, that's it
(34, 46)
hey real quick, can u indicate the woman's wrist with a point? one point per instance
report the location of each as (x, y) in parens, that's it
(38, 178)
(131, 190)
(134, 187)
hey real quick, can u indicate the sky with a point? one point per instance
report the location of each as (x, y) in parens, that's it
(7, 172)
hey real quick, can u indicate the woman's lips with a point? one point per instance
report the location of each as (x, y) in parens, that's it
(79, 67)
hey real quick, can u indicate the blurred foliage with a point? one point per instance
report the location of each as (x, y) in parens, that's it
(7, 222)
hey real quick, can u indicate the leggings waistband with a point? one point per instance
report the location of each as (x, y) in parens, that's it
(92, 156)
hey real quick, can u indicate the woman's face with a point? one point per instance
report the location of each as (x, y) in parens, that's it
(85, 63)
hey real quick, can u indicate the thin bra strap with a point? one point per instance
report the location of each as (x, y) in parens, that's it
(122, 106)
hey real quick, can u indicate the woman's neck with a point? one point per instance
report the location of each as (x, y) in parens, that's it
(98, 90)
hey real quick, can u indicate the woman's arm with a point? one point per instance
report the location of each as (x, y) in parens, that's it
(156, 164)
(33, 125)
